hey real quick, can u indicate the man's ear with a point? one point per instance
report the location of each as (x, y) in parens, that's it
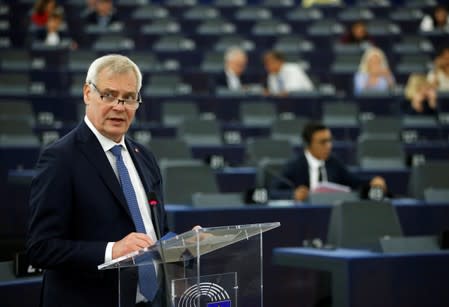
(86, 93)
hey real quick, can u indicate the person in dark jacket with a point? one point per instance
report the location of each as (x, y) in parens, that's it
(317, 164)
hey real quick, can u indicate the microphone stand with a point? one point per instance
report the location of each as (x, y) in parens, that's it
(153, 202)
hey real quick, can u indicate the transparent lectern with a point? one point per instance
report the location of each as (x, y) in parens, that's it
(208, 267)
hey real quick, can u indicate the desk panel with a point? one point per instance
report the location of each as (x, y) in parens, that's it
(297, 284)
(368, 279)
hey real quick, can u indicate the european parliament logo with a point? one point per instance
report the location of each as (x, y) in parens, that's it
(206, 294)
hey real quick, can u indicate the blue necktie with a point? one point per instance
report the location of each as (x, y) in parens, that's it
(147, 274)
(280, 83)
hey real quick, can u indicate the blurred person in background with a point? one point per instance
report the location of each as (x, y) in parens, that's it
(90, 7)
(357, 34)
(317, 164)
(373, 74)
(283, 77)
(104, 15)
(310, 3)
(53, 34)
(421, 95)
(41, 12)
(439, 75)
(235, 61)
(439, 20)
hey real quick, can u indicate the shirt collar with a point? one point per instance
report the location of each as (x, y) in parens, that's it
(230, 73)
(313, 162)
(105, 143)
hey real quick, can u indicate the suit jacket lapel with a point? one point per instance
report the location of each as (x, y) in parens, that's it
(143, 171)
(93, 151)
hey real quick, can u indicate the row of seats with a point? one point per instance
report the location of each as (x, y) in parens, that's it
(423, 181)
(245, 109)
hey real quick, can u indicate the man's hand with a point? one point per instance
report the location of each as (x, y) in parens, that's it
(301, 193)
(131, 243)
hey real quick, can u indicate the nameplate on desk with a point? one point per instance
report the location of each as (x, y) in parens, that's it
(23, 268)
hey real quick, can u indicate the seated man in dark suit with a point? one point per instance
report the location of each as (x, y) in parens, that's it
(104, 14)
(235, 61)
(317, 164)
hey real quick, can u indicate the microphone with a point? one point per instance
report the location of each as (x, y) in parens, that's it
(260, 194)
(153, 202)
(276, 175)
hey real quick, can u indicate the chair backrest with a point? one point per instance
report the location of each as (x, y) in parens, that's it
(432, 174)
(288, 129)
(200, 132)
(171, 149)
(79, 60)
(380, 153)
(360, 224)
(259, 148)
(174, 113)
(257, 114)
(16, 109)
(174, 43)
(213, 200)
(216, 26)
(415, 244)
(16, 126)
(332, 198)
(437, 195)
(15, 84)
(113, 43)
(231, 40)
(182, 180)
(340, 114)
(382, 127)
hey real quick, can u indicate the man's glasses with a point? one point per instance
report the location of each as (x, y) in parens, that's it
(324, 141)
(109, 98)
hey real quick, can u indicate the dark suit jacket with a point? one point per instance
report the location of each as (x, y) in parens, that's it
(296, 172)
(77, 207)
(221, 80)
(92, 18)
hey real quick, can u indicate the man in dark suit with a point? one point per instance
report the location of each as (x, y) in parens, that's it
(104, 14)
(233, 78)
(317, 164)
(88, 201)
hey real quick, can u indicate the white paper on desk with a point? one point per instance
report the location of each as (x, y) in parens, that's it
(330, 187)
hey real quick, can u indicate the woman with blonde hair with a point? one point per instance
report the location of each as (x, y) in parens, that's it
(373, 74)
(421, 94)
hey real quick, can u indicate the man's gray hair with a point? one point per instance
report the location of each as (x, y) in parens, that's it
(232, 52)
(116, 64)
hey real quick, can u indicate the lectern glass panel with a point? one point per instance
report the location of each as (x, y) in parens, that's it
(209, 267)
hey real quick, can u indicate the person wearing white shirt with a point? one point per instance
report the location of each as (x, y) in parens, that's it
(317, 164)
(284, 78)
(439, 75)
(439, 20)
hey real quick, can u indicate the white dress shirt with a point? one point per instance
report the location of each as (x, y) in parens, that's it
(290, 78)
(427, 24)
(233, 80)
(314, 170)
(440, 77)
(141, 196)
(52, 39)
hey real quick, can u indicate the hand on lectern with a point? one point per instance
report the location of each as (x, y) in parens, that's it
(132, 242)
